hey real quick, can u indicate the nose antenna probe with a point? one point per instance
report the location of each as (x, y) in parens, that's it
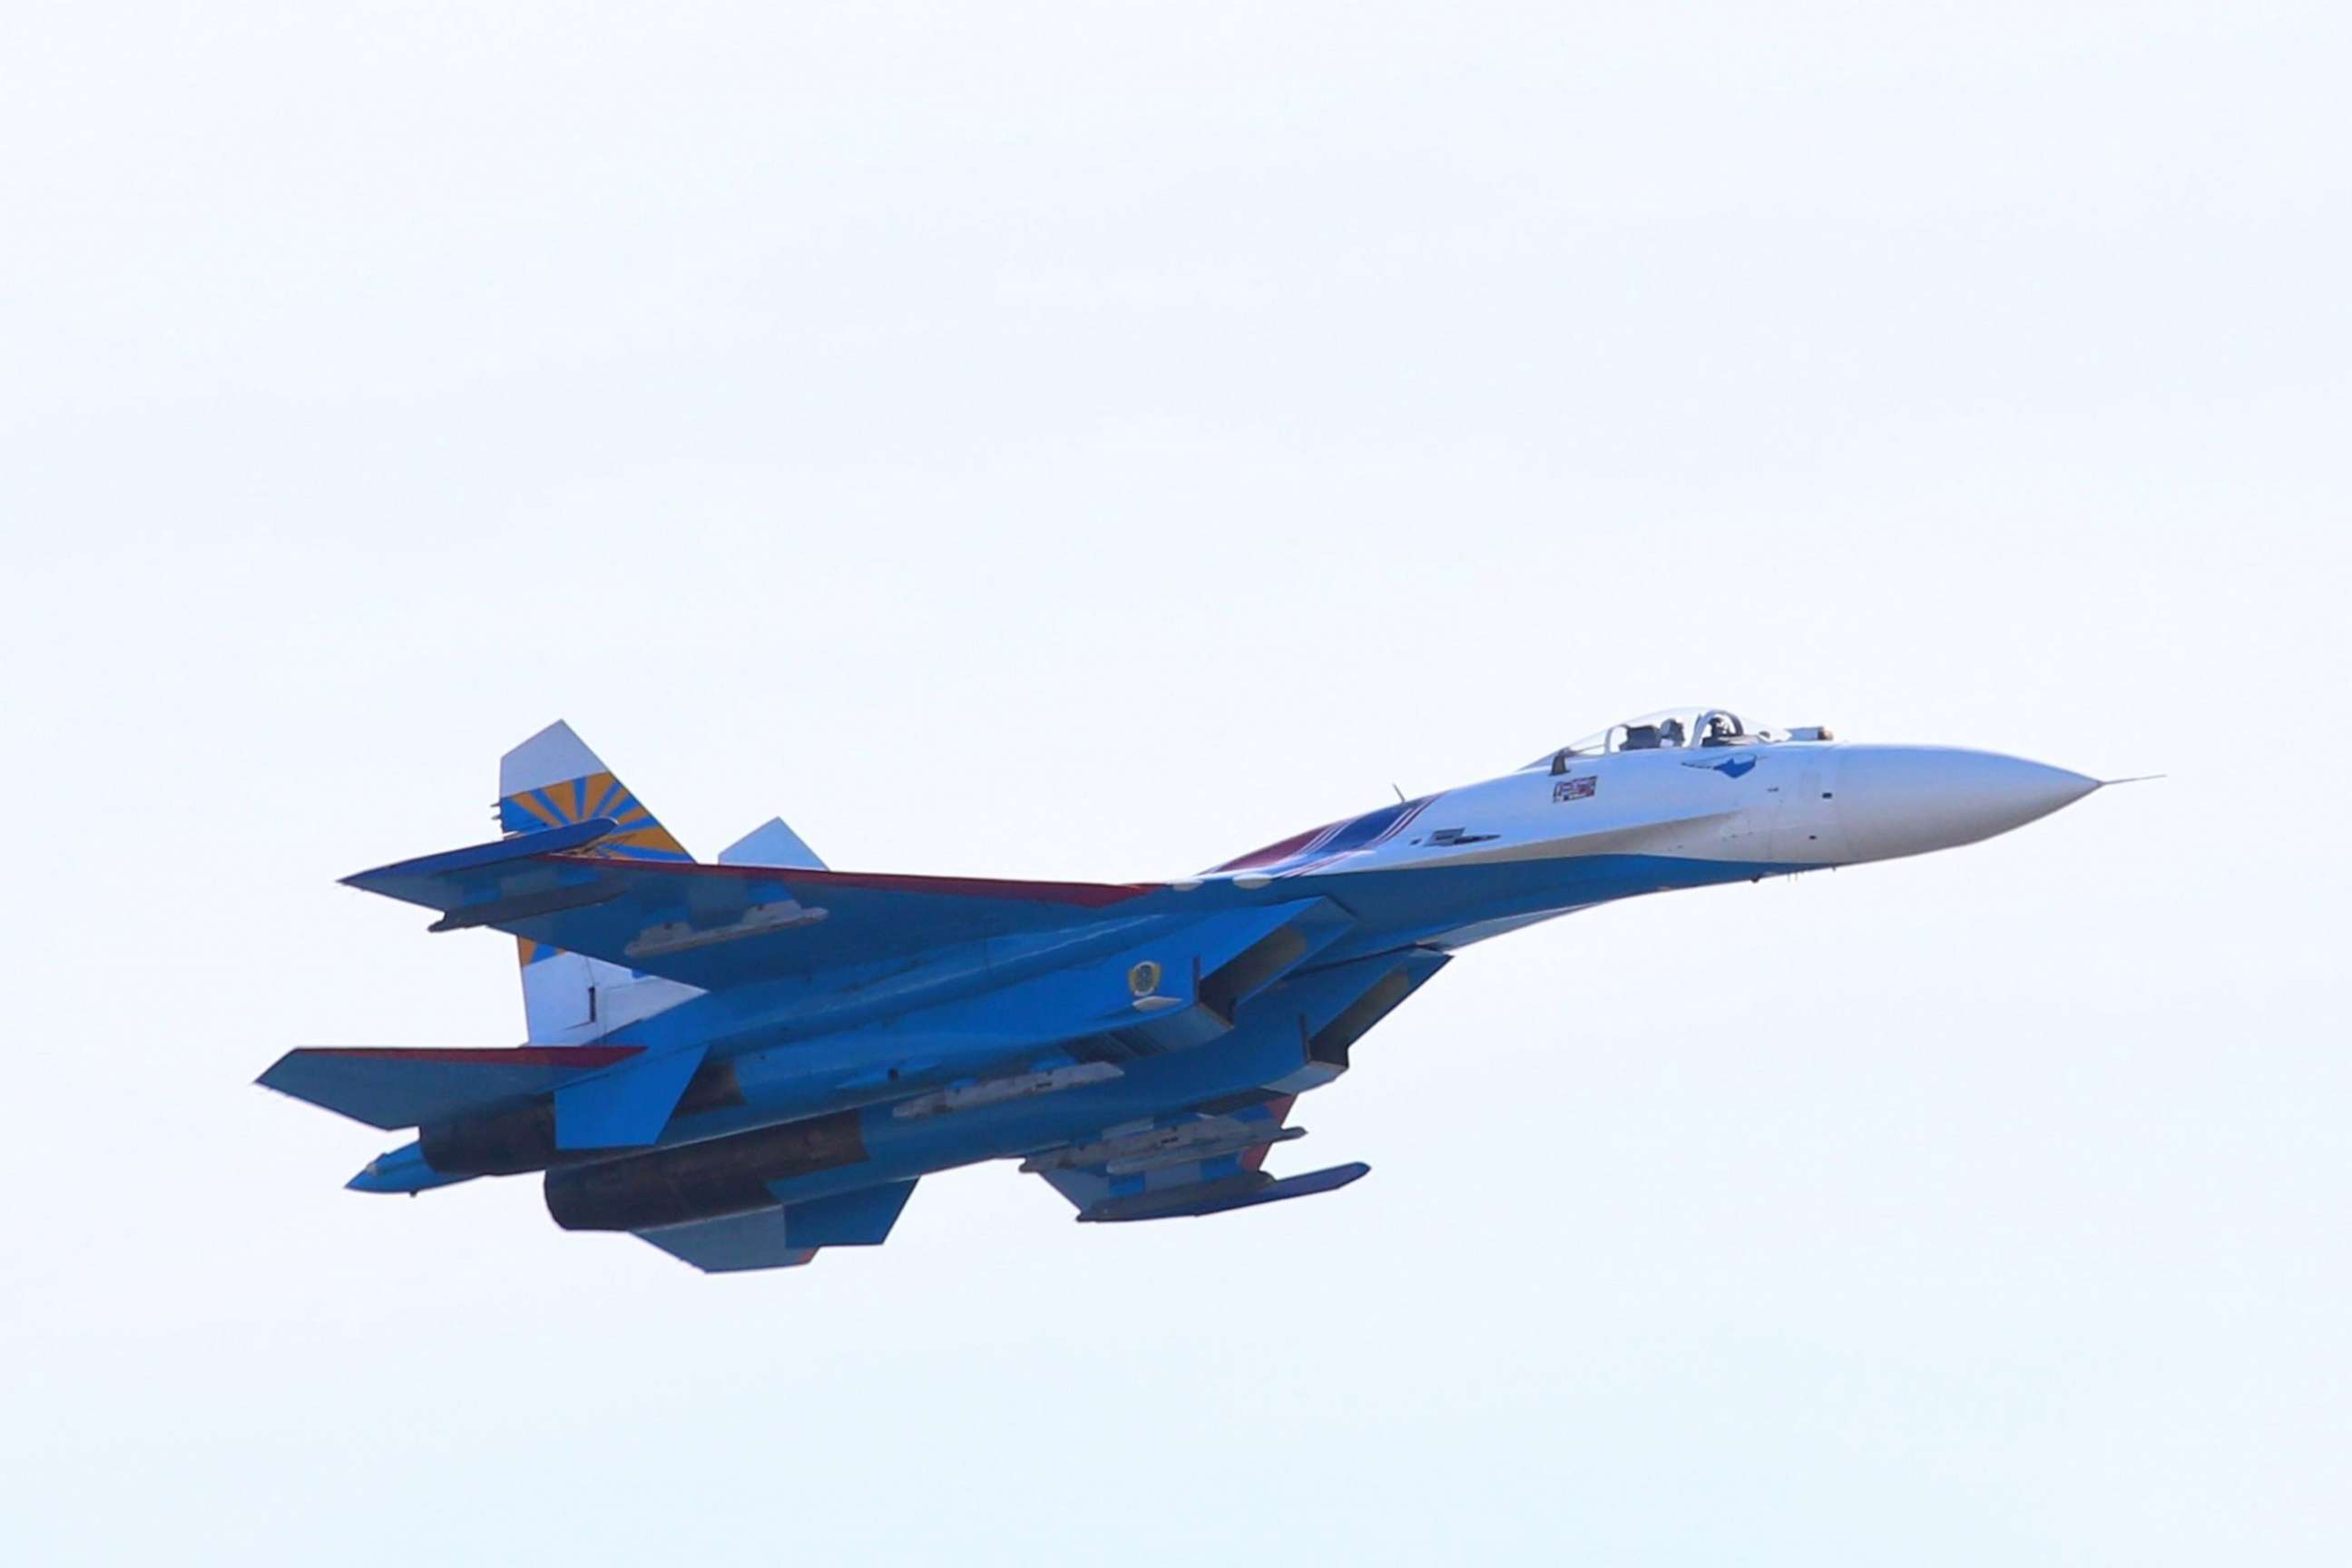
(2136, 778)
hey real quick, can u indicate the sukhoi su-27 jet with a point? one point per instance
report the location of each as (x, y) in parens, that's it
(747, 1061)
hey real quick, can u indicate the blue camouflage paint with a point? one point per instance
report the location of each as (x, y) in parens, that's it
(807, 1044)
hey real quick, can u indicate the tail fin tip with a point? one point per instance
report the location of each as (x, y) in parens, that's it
(771, 844)
(555, 755)
(553, 779)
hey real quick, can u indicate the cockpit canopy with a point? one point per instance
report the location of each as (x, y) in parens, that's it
(1672, 729)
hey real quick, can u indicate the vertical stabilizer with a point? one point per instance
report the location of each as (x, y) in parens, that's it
(549, 780)
(771, 844)
(553, 778)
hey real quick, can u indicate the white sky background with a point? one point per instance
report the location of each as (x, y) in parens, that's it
(1091, 441)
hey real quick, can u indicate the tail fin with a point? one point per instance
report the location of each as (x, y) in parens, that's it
(771, 844)
(553, 778)
(549, 780)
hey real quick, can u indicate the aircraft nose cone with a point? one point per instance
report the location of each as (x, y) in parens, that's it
(1908, 800)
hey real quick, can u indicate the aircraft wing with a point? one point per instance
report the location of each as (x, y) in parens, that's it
(719, 926)
(1195, 1164)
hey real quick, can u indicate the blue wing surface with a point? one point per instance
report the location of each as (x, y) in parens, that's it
(395, 1086)
(721, 926)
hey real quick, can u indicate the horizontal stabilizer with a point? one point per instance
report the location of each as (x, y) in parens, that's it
(476, 858)
(1239, 1191)
(400, 1086)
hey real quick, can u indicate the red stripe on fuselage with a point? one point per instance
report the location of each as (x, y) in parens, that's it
(488, 1056)
(1272, 853)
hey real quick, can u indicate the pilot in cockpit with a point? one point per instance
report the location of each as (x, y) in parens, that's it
(1722, 730)
(1671, 734)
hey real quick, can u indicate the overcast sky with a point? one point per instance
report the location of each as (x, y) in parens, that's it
(1088, 441)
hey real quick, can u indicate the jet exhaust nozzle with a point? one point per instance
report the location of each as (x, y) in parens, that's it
(709, 1180)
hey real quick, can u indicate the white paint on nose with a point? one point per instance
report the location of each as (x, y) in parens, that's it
(1908, 800)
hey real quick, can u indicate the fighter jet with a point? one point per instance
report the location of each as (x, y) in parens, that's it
(746, 1061)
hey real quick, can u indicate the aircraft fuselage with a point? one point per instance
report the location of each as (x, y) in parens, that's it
(1138, 1045)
